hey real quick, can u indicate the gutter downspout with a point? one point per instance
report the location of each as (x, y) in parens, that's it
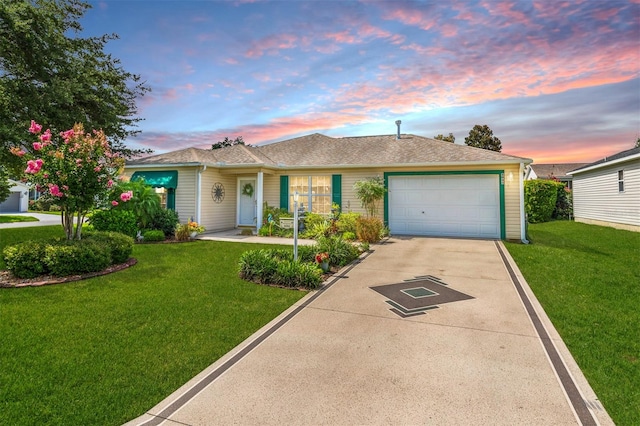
(523, 218)
(199, 194)
(259, 199)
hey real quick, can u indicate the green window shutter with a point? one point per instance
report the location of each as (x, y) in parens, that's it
(336, 189)
(171, 199)
(284, 192)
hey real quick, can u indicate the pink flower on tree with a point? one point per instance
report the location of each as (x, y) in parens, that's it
(67, 135)
(33, 167)
(46, 136)
(109, 183)
(126, 196)
(17, 151)
(55, 191)
(114, 203)
(35, 127)
(37, 146)
(97, 169)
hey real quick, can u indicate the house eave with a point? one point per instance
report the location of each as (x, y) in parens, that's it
(605, 164)
(524, 161)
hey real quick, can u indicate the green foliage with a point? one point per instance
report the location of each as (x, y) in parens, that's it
(152, 235)
(182, 232)
(311, 219)
(297, 275)
(45, 203)
(50, 74)
(317, 230)
(449, 138)
(145, 202)
(258, 266)
(120, 245)
(123, 221)
(228, 142)
(271, 219)
(307, 253)
(165, 220)
(341, 252)
(77, 257)
(347, 222)
(540, 198)
(370, 192)
(25, 260)
(564, 204)
(349, 236)
(369, 229)
(481, 136)
(5, 186)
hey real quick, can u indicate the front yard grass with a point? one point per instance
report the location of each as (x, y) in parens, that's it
(587, 278)
(103, 351)
(7, 218)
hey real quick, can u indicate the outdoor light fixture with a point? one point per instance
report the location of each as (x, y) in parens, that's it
(510, 177)
(295, 226)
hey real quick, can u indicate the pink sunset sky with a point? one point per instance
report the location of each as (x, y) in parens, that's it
(556, 81)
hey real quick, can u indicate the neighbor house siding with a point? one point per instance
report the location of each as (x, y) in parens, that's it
(218, 216)
(596, 198)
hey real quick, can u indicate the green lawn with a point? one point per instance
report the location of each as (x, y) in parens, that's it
(587, 278)
(7, 218)
(105, 350)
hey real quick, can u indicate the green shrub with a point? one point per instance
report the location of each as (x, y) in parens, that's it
(347, 222)
(123, 221)
(349, 236)
(120, 245)
(540, 198)
(317, 230)
(297, 274)
(25, 260)
(166, 220)
(369, 229)
(312, 219)
(77, 257)
(258, 266)
(307, 253)
(43, 204)
(341, 252)
(153, 235)
(564, 204)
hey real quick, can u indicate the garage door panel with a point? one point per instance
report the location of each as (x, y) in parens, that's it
(451, 205)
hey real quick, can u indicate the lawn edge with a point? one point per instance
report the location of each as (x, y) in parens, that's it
(590, 398)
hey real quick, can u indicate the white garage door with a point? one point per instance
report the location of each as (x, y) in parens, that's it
(445, 205)
(11, 204)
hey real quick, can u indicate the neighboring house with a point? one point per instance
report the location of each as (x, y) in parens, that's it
(18, 201)
(552, 171)
(435, 188)
(607, 192)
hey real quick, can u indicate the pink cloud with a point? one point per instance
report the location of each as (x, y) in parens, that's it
(271, 44)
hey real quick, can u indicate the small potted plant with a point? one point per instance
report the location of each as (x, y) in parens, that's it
(322, 259)
(194, 228)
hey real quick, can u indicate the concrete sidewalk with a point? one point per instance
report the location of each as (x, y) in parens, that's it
(463, 342)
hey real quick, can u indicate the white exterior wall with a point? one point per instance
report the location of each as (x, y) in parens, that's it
(596, 198)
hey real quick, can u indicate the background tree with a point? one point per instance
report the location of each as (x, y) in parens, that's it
(5, 186)
(482, 137)
(228, 142)
(449, 138)
(638, 143)
(50, 74)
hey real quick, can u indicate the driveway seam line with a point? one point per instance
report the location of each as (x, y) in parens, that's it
(576, 400)
(193, 391)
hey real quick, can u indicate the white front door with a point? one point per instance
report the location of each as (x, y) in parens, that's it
(247, 212)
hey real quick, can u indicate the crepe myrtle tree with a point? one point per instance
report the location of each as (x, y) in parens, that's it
(74, 167)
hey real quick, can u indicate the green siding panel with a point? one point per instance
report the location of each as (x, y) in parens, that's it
(336, 189)
(284, 192)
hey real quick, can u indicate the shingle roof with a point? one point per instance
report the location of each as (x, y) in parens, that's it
(617, 156)
(318, 150)
(544, 171)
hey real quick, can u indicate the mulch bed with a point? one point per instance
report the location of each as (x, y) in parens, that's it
(7, 280)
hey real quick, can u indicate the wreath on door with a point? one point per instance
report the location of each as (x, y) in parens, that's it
(247, 189)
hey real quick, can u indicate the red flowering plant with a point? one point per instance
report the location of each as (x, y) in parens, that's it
(322, 257)
(76, 168)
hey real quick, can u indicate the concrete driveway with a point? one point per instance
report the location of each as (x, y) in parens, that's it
(462, 342)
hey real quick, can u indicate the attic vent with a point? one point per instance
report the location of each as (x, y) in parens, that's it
(398, 123)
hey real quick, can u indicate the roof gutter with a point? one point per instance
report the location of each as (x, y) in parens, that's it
(605, 164)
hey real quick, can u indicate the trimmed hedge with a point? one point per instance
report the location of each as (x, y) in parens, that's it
(540, 198)
(94, 253)
(116, 220)
(153, 235)
(369, 229)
